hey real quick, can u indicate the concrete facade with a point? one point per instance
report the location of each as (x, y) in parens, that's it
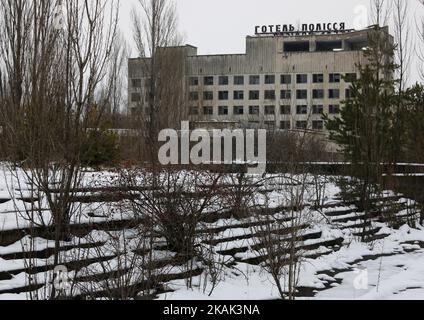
(282, 82)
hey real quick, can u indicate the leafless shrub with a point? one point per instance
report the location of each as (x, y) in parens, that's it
(51, 78)
(172, 203)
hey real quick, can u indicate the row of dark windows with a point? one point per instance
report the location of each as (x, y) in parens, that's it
(287, 125)
(268, 79)
(271, 79)
(268, 110)
(270, 95)
(256, 95)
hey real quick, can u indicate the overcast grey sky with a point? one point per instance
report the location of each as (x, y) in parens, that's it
(221, 26)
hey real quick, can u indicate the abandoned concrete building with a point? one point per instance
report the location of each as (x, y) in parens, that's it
(283, 81)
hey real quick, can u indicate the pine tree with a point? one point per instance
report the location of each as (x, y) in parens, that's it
(413, 120)
(363, 129)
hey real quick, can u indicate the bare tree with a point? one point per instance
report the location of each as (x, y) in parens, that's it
(277, 241)
(403, 39)
(115, 83)
(52, 75)
(420, 41)
(380, 12)
(278, 229)
(402, 57)
(155, 31)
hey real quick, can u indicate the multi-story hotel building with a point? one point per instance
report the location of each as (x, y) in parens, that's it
(284, 80)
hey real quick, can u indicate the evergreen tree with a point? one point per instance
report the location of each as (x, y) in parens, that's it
(363, 129)
(413, 120)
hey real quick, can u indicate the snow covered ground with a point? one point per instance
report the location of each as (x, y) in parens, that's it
(389, 278)
(387, 268)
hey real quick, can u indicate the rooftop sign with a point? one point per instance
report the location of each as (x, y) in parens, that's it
(305, 29)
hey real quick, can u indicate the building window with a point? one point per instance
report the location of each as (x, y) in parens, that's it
(223, 81)
(297, 46)
(194, 96)
(302, 94)
(286, 79)
(194, 111)
(255, 80)
(238, 95)
(254, 95)
(350, 77)
(303, 109)
(254, 110)
(136, 83)
(208, 81)
(239, 80)
(208, 95)
(334, 94)
(334, 109)
(348, 94)
(285, 110)
(335, 77)
(238, 110)
(318, 78)
(135, 97)
(223, 110)
(193, 81)
(318, 109)
(223, 95)
(269, 79)
(208, 111)
(285, 125)
(269, 110)
(269, 94)
(285, 94)
(318, 94)
(303, 125)
(318, 125)
(302, 78)
(270, 125)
